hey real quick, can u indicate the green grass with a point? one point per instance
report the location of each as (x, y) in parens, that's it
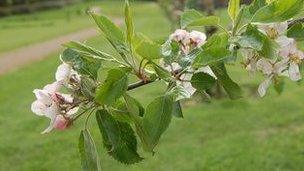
(20, 30)
(247, 134)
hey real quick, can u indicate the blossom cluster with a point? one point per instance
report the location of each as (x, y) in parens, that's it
(286, 62)
(187, 41)
(51, 103)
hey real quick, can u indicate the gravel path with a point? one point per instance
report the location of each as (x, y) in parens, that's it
(26, 55)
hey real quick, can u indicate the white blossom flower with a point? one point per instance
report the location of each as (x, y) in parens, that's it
(50, 103)
(188, 40)
(251, 58)
(274, 30)
(198, 38)
(67, 75)
(295, 57)
(270, 69)
(181, 36)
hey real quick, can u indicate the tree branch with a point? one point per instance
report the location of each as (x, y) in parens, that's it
(138, 84)
(294, 22)
(142, 83)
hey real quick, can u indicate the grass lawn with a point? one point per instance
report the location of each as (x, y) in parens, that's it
(20, 30)
(247, 134)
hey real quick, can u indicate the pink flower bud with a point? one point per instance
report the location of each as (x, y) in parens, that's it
(61, 122)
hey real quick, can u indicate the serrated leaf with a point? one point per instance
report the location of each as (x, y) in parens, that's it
(113, 34)
(87, 50)
(149, 50)
(202, 81)
(278, 11)
(129, 22)
(134, 106)
(233, 9)
(192, 18)
(233, 90)
(162, 73)
(138, 122)
(118, 138)
(157, 118)
(113, 88)
(88, 153)
(296, 31)
(82, 64)
(120, 112)
(215, 50)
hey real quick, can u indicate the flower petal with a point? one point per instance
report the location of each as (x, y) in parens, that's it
(38, 108)
(52, 88)
(284, 41)
(281, 27)
(264, 86)
(294, 72)
(43, 96)
(49, 128)
(63, 72)
(264, 66)
(198, 37)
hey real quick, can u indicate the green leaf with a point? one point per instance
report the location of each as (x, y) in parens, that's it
(177, 110)
(138, 122)
(118, 138)
(88, 153)
(134, 106)
(157, 118)
(82, 64)
(129, 22)
(120, 112)
(210, 56)
(114, 87)
(162, 73)
(202, 81)
(233, 9)
(149, 50)
(296, 31)
(87, 50)
(233, 90)
(278, 11)
(114, 35)
(215, 50)
(256, 5)
(192, 18)
(255, 39)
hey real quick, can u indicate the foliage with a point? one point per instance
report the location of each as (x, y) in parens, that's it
(187, 61)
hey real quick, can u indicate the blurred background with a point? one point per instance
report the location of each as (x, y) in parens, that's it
(219, 134)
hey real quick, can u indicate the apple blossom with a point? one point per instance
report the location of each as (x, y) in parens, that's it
(274, 30)
(188, 40)
(198, 38)
(251, 58)
(61, 122)
(270, 69)
(67, 75)
(295, 57)
(50, 103)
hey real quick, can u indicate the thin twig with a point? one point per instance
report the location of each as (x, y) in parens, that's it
(139, 84)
